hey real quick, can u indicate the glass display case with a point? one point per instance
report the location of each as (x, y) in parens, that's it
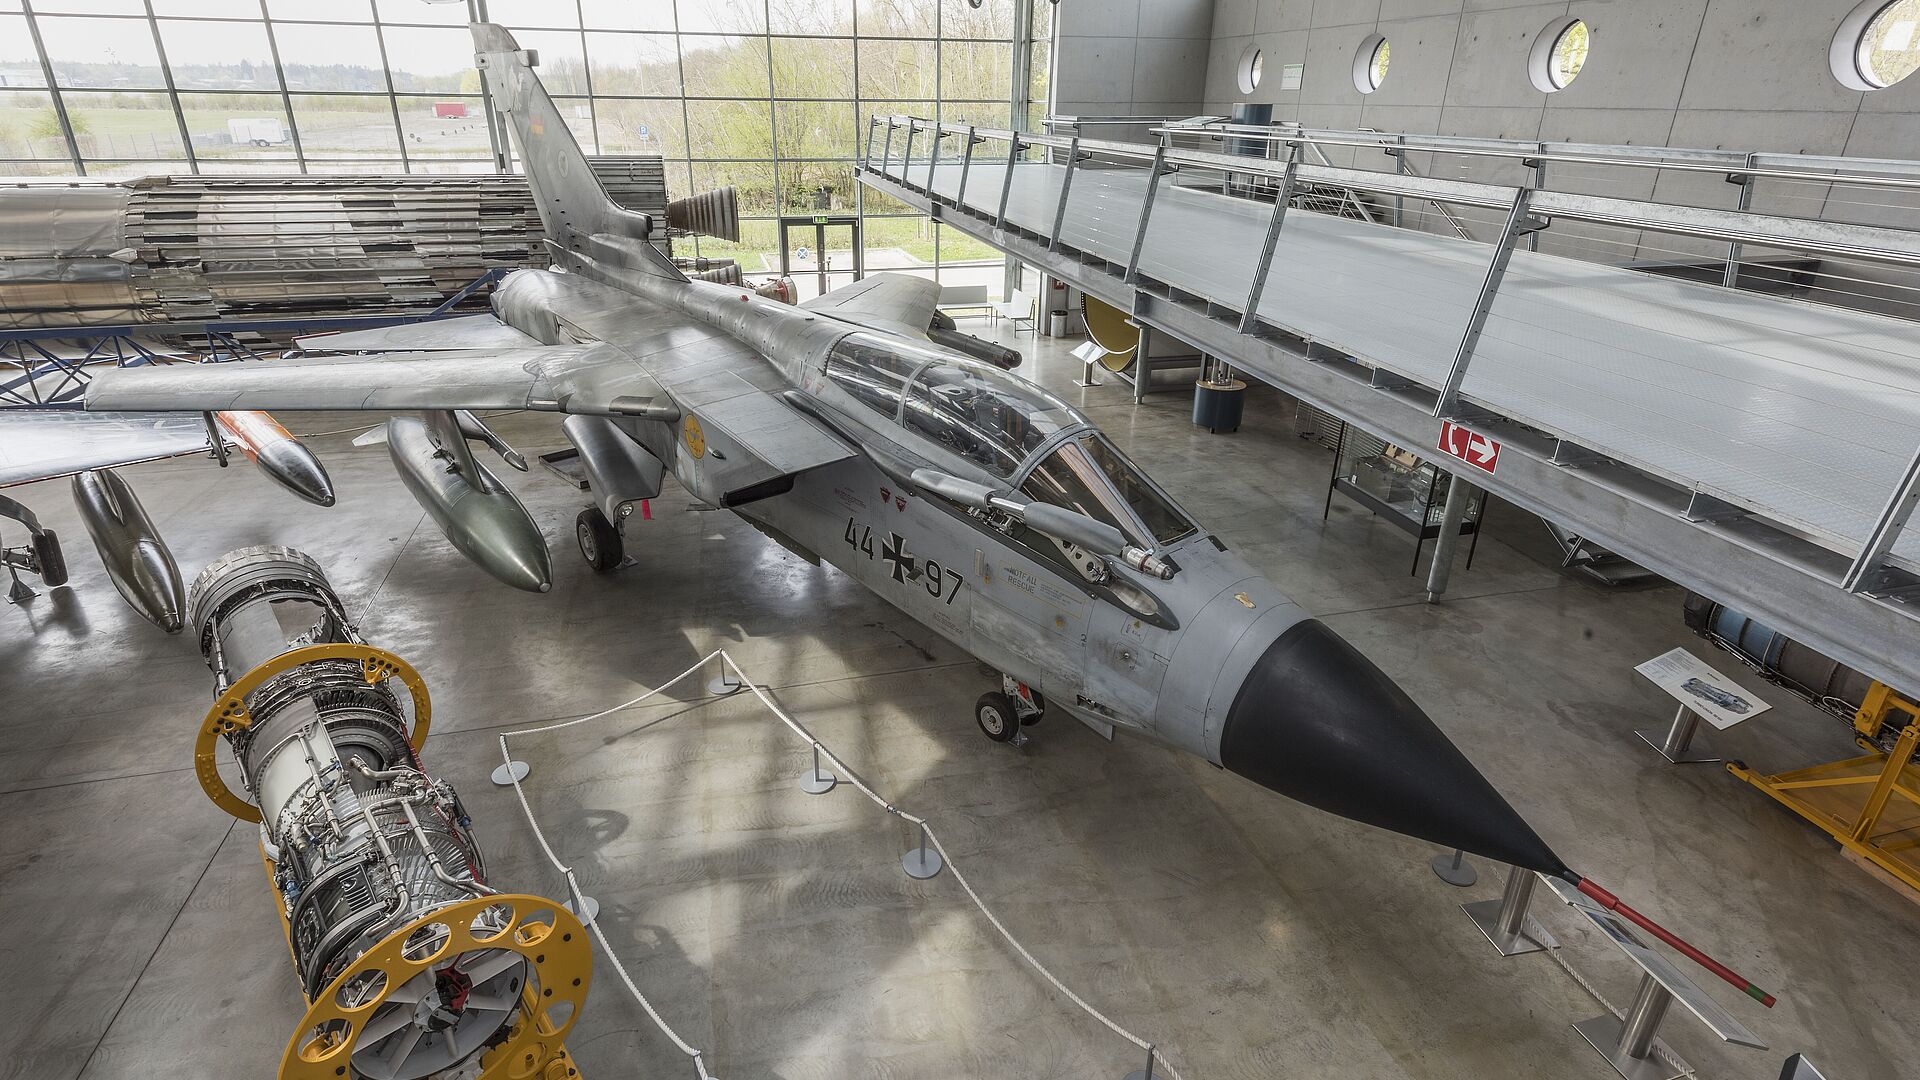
(1399, 486)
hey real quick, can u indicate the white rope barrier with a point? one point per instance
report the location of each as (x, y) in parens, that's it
(573, 883)
(1157, 1065)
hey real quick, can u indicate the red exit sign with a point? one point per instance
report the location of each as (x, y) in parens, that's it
(1475, 449)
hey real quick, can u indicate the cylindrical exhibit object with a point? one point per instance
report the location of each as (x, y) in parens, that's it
(1218, 406)
(412, 965)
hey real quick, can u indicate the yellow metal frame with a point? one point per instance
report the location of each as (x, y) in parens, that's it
(229, 714)
(1870, 804)
(557, 951)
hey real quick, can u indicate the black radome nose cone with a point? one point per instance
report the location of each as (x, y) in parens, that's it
(1316, 721)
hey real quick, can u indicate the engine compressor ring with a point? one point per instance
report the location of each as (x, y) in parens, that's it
(558, 952)
(229, 713)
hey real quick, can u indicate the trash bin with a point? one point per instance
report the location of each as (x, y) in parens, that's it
(1217, 406)
(1057, 324)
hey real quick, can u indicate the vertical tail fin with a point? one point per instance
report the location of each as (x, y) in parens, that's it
(573, 206)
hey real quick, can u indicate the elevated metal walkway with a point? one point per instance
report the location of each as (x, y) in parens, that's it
(1758, 449)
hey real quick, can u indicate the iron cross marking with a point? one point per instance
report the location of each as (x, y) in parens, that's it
(894, 551)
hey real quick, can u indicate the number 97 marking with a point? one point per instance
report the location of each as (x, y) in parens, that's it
(941, 581)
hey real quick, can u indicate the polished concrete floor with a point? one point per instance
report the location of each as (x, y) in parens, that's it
(1248, 936)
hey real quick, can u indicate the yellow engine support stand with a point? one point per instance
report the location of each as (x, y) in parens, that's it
(230, 714)
(1870, 804)
(559, 960)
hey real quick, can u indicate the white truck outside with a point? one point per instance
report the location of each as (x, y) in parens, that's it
(265, 131)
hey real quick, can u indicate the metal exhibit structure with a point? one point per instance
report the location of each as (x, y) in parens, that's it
(412, 965)
(1869, 804)
(172, 249)
(637, 84)
(210, 269)
(1759, 450)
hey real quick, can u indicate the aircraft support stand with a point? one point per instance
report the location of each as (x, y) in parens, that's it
(1628, 1045)
(1506, 921)
(1454, 869)
(1676, 743)
(818, 781)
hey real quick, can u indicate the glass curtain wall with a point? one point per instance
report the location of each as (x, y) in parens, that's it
(771, 96)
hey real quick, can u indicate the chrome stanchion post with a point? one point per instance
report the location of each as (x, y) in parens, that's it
(818, 781)
(1454, 869)
(510, 773)
(1147, 1073)
(584, 907)
(1628, 1045)
(726, 684)
(922, 862)
(1676, 743)
(1507, 922)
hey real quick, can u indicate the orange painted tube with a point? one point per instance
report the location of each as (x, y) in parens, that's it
(283, 458)
(1615, 904)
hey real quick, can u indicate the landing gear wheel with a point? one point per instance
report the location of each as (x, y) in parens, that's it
(1039, 710)
(599, 540)
(53, 564)
(994, 713)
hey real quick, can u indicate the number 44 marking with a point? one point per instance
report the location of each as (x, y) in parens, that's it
(941, 583)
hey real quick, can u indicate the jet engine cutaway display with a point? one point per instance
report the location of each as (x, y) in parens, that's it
(413, 967)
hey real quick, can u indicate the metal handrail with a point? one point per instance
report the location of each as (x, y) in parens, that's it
(1839, 239)
(1527, 210)
(1733, 163)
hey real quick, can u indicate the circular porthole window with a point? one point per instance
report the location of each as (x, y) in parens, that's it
(1251, 63)
(1370, 64)
(1558, 54)
(1877, 45)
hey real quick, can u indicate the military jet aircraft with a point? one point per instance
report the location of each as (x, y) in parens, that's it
(979, 504)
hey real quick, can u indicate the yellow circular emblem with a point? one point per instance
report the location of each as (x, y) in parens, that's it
(696, 439)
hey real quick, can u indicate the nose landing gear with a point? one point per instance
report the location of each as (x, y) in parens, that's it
(599, 541)
(1002, 714)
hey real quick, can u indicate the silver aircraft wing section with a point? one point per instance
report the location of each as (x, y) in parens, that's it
(901, 303)
(433, 335)
(637, 359)
(40, 444)
(592, 379)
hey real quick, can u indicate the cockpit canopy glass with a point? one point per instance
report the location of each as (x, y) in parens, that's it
(992, 420)
(876, 375)
(985, 417)
(1091, 475)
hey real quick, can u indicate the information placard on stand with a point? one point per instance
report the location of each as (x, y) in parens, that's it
(1701, 692)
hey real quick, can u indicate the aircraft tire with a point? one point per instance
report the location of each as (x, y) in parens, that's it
(599, 542)
(53, 563)
(994, 713)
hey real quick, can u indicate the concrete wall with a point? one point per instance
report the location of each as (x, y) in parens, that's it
(1747, 74)
(1727, 74)
(1131, 57)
